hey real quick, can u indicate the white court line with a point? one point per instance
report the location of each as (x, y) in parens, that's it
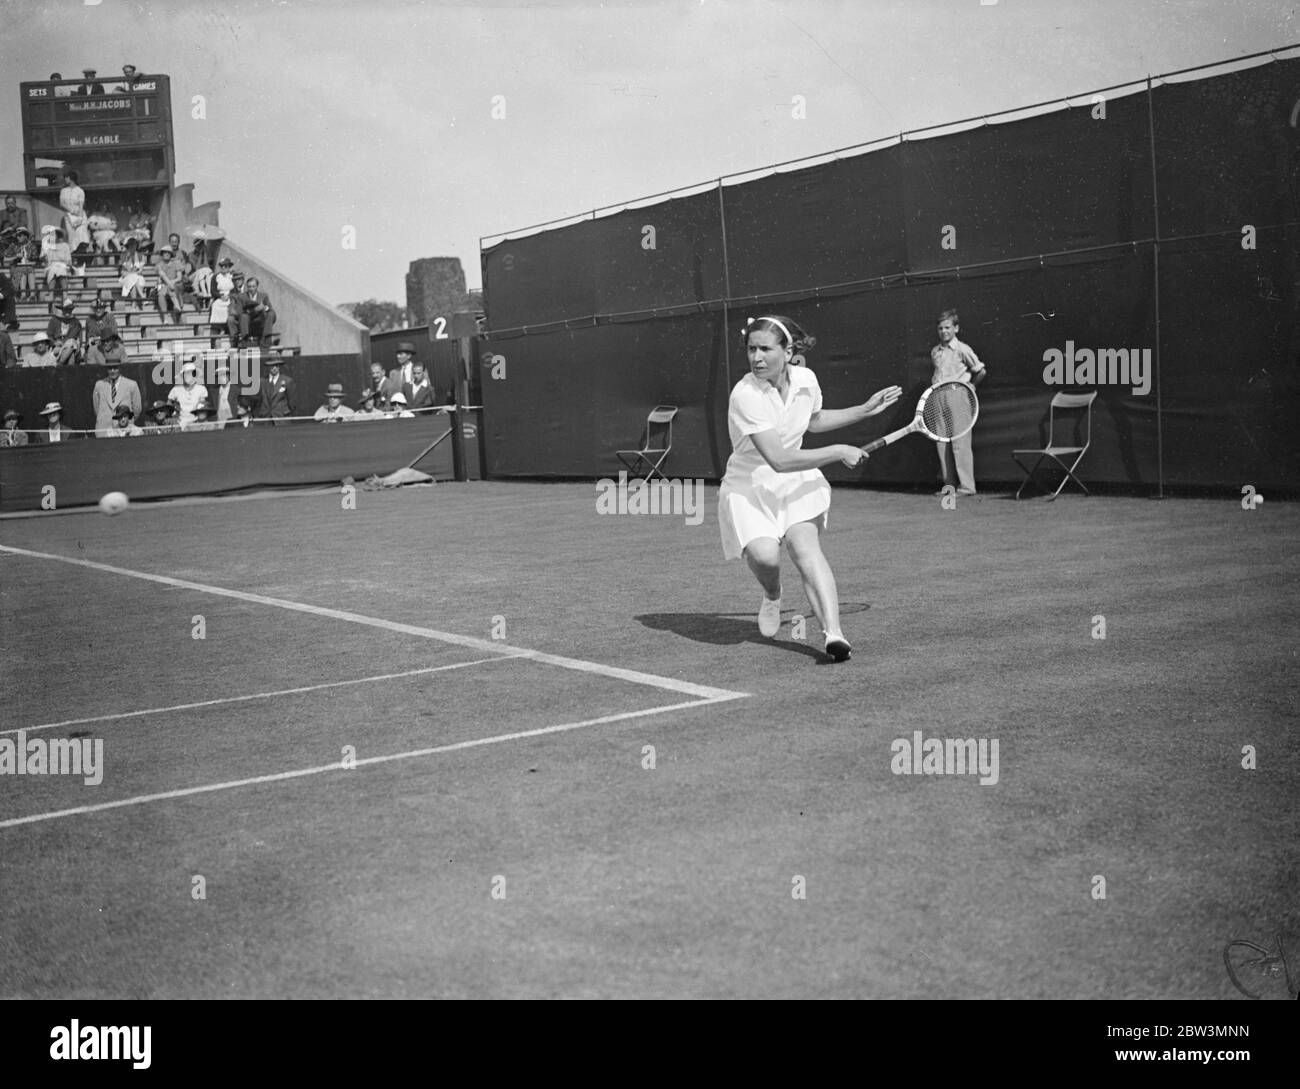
(672, 684)
(143, 799)
(254, 696)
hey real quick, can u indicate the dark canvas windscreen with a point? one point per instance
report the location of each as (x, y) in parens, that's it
(1040, 232)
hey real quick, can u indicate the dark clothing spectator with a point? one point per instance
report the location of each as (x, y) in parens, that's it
(21, 256)
(275, 397)
(171, 275)
(8, 299)
(108, 352)
(419, 394)
(66, 333)
(92, 86)
(257, 315)
(8, 353)
(100, 324)
(14, 217)
(11, 435)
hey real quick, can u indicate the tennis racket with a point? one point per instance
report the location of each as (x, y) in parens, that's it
(945, 412)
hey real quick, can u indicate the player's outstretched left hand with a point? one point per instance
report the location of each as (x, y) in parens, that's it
(882, 399)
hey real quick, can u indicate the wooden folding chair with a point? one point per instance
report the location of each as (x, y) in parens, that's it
(1067, 402)
(655, 447)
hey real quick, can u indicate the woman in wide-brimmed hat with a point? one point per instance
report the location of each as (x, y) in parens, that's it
(10, 435)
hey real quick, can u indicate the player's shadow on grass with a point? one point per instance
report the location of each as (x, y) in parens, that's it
(732, 629)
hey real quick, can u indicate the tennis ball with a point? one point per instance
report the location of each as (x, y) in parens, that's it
(1259, 500)
(114, 503)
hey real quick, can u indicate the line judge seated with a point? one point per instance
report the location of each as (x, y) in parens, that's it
(11, 434)
(203, 420)
(159, 421)
(366, 409)
(124, 426)
(397, 408)
(333, 410)
(54, 429)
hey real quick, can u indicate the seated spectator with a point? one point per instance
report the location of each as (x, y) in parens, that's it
(397, 408)
(171, 277)
(418, 392)
(14, 217)
(8, 353)
(8, 302)
(257, 316)
(22, 256)
(366, 409)
(124, 426)
(203, 420)
(275, 398)
(219, 312)
(54, 429)
(140, 227)
(182, 258)
(159, 422)
(11, 435)
(100, 323)
(201, 282)
(244, 412)
(39, 354)
(224, 281)
(333, 410)
(108, 352)
(103, 231)
(66, 332)
(111, 393)
(187, 395)
(57, 255)
(133, 265)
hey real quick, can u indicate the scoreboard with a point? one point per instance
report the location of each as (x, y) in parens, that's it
(116, 139)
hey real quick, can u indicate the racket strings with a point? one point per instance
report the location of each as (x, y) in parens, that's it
(949, 410)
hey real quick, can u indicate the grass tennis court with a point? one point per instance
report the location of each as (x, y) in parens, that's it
(480, 758)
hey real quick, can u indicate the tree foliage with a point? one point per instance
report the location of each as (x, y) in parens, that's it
(376, 315)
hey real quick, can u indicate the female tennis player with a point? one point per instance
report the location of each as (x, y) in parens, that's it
(773, 490)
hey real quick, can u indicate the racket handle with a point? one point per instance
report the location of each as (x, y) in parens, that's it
(873, 446)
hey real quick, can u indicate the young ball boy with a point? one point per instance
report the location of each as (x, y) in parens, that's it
(956, 361)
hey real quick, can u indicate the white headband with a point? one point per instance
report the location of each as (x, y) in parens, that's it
(789, 340)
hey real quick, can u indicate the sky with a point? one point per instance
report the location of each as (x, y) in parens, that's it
(424, 125)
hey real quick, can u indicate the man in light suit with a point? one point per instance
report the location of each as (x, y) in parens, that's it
(110, 393)
(275, 398)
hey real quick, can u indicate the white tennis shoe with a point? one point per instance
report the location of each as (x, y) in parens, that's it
(769, 617)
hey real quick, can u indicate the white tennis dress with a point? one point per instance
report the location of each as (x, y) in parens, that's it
(755, 500)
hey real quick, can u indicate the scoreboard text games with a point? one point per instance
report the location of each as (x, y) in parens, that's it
(120, 138)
